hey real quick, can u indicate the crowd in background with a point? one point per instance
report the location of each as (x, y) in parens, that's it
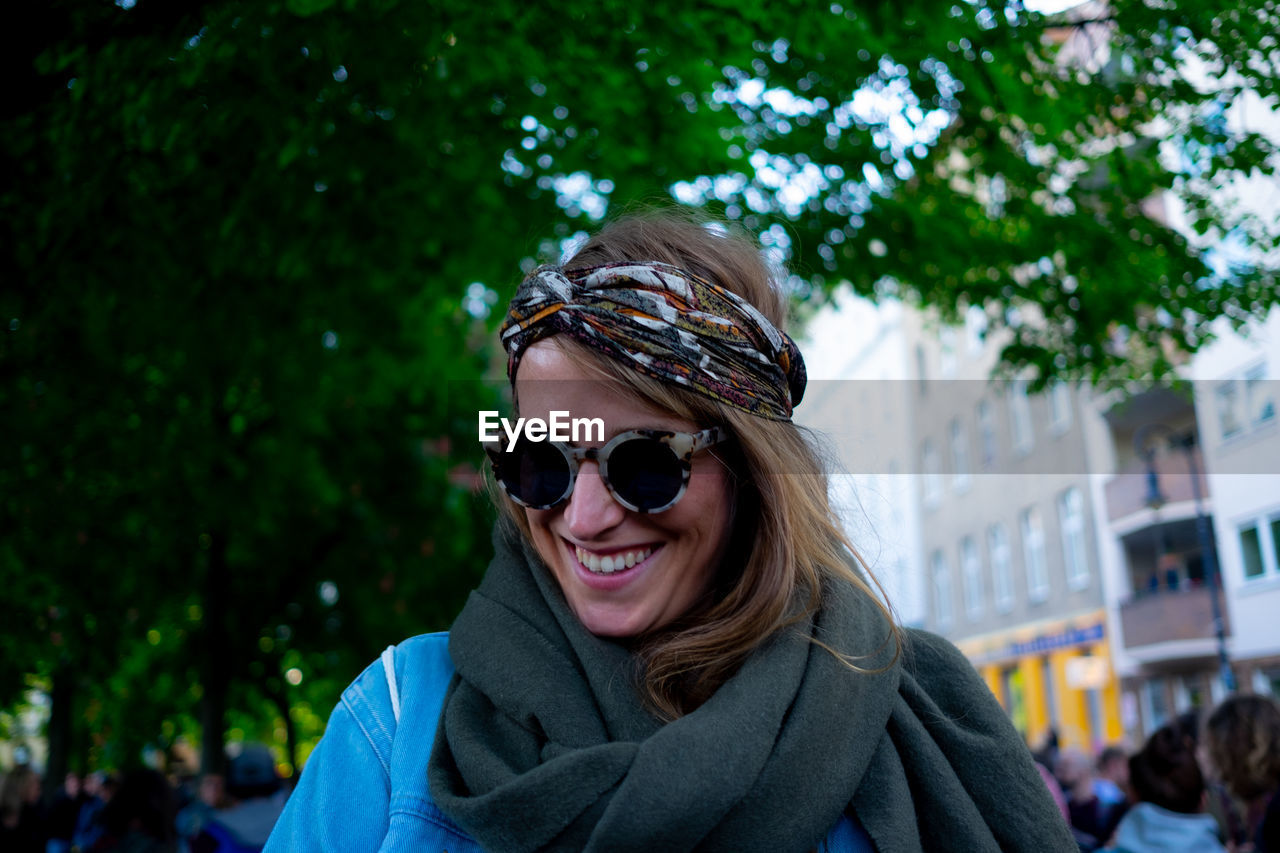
(144, 811)
(1198, 785)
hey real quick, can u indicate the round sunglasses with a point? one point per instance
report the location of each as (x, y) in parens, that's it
(645, 470)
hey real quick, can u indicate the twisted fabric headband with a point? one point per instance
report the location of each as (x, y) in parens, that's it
(666, 323)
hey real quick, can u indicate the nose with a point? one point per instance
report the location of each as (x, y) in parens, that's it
(591, 510)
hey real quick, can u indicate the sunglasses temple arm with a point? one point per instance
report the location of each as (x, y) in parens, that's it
(708, 438)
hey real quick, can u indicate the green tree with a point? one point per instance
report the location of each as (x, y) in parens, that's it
(248, 244)
(231, 391)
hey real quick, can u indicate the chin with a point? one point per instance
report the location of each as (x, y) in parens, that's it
(611, 626)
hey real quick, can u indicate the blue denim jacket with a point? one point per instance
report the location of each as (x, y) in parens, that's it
(365, 785)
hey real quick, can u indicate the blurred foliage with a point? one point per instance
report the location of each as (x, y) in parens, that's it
(249, 247)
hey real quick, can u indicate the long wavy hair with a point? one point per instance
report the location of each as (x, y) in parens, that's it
(1243, 735)
(786, 548)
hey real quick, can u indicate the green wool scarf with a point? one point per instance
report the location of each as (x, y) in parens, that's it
(546, 744)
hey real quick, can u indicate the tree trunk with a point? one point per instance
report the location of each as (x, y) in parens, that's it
(215, 661)
(61, 696)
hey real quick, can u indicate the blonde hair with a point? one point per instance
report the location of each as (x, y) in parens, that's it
(787, 547)
(1243, 735)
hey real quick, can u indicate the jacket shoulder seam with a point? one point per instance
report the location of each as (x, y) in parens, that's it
(359, 705)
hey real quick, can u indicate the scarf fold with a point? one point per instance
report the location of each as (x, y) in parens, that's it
(545, 742)
(666, 323)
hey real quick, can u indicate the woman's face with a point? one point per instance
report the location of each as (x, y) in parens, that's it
(676, 552)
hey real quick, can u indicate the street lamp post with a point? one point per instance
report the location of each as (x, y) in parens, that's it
(1186, 442)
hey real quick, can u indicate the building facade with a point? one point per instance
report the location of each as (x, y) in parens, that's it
(1236, 400)
(1156, 510)
(1009, 539)
(971, 502)
(1097, 555)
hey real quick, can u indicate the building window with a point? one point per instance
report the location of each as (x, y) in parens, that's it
(1033, 554)
(947, 357)
(1157, 704)
(1227, 398)
(1245, 402)
(987, 432)
(1020, 417)
(1014, 697)
(1074, 551)
(941, 590)
(932, 463)
(1260, 547)
(1001, 567)
(959, 457)
(1189, 693)
(971, 566)
(1259, 396)
(1251, 551)
(1266, 682)
(1275, 543)
(1059, 407)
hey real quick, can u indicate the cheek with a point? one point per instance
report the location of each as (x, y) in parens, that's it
(707, 513)
(539, 521)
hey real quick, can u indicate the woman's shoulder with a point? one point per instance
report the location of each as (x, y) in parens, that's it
(365, 784)
(416, 664)
(426, 655)
(927, 656)
(411, 678)
(937, 677)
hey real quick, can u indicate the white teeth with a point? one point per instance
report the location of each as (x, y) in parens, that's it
(607, 565)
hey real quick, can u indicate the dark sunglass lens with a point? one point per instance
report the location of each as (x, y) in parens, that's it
(536, 473)
(645, 472)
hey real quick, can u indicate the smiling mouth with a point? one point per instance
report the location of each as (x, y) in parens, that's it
(607, 565)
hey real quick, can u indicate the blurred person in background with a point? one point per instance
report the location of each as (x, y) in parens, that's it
(1047, 752)
(1055, 790)
(1242, 737)
(253, 803)
(140, 816)
(210, 796)
(64, 813)
(1225, 807)
(1169, 815)
(1092, 820)
(1111, 783)
(98, 790)
(22, 814)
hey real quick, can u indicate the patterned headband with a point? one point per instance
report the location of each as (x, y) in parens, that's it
(666, 323)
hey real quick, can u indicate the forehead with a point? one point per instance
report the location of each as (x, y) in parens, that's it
(551, 379)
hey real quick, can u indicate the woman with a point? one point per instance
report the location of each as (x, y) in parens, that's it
(671, 649)
(140, 816)
(1243, 740)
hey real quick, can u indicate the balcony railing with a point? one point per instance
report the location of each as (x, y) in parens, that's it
(1166, 616)
(1127, 491)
